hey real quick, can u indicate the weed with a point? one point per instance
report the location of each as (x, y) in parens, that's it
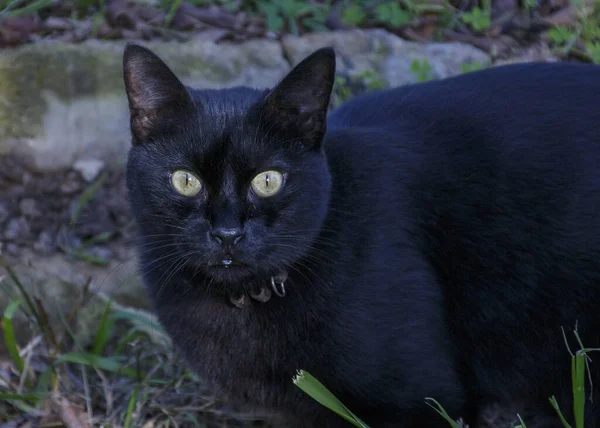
(561, 35)
(300, 16)
(128, 373)
(581, 39)
(470, 66)
(421, 69)
(291, 13)
(172, 10)
(593, 49)
(392, 15)
(346, 86)
(354, 15)
(342, 90)
(478, 18)
(579, 374)
(315, 389)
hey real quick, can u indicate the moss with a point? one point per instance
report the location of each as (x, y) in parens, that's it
(216, 64)
(186, 62)
(67, 71)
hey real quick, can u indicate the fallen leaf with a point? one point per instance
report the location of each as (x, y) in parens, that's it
(71, 414)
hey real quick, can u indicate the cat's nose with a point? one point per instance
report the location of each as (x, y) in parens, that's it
(227, 237)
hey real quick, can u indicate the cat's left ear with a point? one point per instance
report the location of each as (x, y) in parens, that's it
(157, 98)
(300, 101)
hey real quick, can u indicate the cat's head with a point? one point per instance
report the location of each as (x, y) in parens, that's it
(227, 184)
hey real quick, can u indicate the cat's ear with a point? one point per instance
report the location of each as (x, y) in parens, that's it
(300, 101)
(157, 98)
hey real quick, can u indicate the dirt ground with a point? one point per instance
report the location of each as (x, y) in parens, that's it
(49, 212)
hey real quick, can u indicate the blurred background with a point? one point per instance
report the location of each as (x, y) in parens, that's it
(79, 346)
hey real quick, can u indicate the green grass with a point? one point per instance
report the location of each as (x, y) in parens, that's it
(123, 372)
(579, 374)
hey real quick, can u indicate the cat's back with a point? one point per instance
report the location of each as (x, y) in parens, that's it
(512, 149)
(519, 132)
(492, 96)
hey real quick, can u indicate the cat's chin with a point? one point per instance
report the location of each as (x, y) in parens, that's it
(229, 274)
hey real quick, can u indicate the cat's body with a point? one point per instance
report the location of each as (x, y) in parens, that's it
(435, 240)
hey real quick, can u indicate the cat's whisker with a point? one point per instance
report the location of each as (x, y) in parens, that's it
(171, 270)
(302, 239)
(311, 252)
(141, 268)
(165, 239)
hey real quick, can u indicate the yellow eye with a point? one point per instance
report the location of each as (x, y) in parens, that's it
(267, 183)
(186, 183)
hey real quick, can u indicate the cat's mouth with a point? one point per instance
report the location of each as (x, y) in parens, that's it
(227, 262)
(228, 269)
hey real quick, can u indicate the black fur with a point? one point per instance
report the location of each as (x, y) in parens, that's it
(436, 239)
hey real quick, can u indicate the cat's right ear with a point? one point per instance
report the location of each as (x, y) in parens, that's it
(157, 98)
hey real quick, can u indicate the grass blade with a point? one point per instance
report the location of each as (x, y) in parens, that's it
(578, 375)
(28, 302)
(46, 325)
(521, 423)
(104, 332)
(101, 363)
(30, 8)
(30, 396)
(172, 11)
(440, 409)
(43, 386)
(9, 335)
(560, 415)
(131, 407)
(144, 322)
(86, 196)
(90, 258)
(315, 389)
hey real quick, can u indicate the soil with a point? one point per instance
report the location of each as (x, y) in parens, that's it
(512, 23)
(37, 209)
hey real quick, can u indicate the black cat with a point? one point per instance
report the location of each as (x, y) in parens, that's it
(425, 241)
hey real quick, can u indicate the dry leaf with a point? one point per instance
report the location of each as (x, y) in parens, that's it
(71, 414)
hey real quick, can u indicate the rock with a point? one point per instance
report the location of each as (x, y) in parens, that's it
(100, 252)
(89, 168)
(45, 243)
(16, 228)
(66, 102)
(28, 207)
(12, 249)
(381, 53)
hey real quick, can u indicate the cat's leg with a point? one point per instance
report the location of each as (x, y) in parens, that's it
(417, 357)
